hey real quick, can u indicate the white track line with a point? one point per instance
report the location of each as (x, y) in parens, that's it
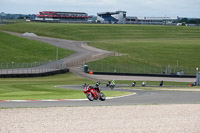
(59, 100)
(120, 96)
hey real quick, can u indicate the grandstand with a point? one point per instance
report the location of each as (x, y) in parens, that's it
(118, 17)
(63, 17)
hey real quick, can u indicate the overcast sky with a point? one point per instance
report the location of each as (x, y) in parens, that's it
(150, 8)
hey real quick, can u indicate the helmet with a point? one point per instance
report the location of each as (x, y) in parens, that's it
(91, 86)
(84, 85)
(97, 84)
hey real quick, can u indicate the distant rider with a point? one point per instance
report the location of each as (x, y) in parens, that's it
(143, 83)
(108, 84)
(161, 83)
(113, 83)
(134, 83)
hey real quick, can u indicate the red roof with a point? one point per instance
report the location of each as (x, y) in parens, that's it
(62, 16)
(52, 14)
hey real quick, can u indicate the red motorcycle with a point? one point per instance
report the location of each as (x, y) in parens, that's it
(93, 92)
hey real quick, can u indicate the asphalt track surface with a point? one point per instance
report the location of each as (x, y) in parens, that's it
(82, 50)
(140, 97)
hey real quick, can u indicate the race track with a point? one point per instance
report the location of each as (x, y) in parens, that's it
(83, 51)
(140, 97)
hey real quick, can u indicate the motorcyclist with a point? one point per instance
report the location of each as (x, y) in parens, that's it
(161, 83)
(113, 83)
(97, 87)
(143, 83)
(108, 84)
(134, 83)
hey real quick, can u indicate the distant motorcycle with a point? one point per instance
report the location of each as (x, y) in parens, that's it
(112, 86)
(109, 84)
(93, 92)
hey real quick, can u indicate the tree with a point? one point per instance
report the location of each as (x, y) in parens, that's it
(184, 20)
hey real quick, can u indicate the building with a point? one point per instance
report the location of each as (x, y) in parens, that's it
(152, 20)
(118, 17)
(7, 18)
(63, 17)
(16, 16)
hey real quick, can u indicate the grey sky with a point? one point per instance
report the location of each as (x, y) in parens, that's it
(182, 8)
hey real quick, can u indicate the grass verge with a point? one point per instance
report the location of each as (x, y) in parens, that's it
(43, 88)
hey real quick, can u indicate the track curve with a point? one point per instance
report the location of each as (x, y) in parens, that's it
(82, 50)
(141, 97)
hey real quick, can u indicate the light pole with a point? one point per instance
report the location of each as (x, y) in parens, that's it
(35, 66)
(12, 66)
(57, 51)
(177, 64)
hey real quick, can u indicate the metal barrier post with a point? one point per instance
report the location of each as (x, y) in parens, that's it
(197, 77)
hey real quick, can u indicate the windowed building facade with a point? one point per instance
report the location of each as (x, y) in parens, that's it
(152, 20)
(63, 17)
(118, 17)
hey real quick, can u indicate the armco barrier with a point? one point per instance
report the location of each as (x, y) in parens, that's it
(34, 74)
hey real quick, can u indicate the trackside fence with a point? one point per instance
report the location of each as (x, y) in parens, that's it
(141, 69)
(48, 66)
(31, 68)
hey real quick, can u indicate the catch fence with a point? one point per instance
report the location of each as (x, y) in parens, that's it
(141, 69)
(31, 68)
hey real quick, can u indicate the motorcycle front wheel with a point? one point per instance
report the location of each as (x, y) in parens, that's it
(90, 97)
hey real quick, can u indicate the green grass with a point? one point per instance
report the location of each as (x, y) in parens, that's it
(20, 50)
(151, 47)
(99, 32)
(153, 83)
(44, 88)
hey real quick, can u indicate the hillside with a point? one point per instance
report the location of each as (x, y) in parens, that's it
(156, 46)
(20, 50)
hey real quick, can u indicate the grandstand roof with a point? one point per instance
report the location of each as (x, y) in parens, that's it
(110, 13)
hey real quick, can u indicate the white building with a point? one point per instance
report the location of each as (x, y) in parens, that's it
(118, 17)
(152, 20)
